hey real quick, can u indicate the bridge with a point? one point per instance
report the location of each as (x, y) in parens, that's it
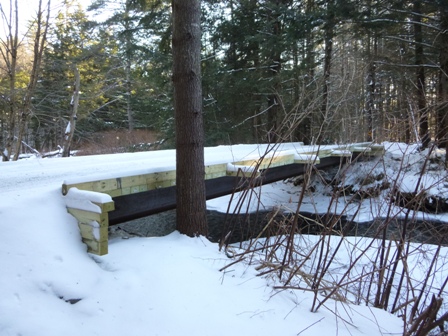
(110, 200)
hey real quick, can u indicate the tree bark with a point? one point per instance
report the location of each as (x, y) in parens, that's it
(190, 173)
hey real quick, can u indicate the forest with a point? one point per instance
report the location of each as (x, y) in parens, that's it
(315, 71)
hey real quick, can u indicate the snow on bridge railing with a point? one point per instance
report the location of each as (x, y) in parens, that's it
(90, 201)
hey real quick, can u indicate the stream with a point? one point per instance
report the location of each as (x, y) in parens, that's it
(246, 226)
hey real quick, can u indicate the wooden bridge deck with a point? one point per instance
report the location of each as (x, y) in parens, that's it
(99, 203)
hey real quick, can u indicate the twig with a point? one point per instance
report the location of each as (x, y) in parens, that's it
(310, 326)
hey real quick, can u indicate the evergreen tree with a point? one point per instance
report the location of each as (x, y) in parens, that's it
(139, 28)
(71, 43)
(190, 186)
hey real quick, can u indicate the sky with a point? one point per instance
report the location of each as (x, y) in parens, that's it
(28, 10)
(172, 285)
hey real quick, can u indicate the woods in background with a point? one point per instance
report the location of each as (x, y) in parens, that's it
(272, 70)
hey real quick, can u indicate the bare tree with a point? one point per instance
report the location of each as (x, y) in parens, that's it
(39, 43)
(420, 75)
(323, 119)
(190, 184)
(443, 79)
(74, 103)
(9, 50)
(19, 110)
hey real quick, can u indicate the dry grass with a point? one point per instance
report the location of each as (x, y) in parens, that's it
(119, 141)
(397, 274)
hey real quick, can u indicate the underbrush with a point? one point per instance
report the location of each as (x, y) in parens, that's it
(387, 265)
(120, 141)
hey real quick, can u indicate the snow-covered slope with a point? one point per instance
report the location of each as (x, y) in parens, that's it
(50, 286)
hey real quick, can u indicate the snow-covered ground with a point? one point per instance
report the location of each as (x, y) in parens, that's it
(170, 285)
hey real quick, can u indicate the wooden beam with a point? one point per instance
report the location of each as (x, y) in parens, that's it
(138, 183)
(96, 247)
(93, 227)
(134, 206)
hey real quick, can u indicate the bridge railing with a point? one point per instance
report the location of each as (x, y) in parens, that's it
(90, 202)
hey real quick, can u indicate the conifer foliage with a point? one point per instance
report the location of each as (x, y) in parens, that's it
(316, 71)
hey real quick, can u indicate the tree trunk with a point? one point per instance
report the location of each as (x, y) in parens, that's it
(128, 65)
(10, 59)
(324, 120)
(70, 131)
(372, 53)
(190, 185)
(420, 76)
(304, 129)
(274, 69)
(442, 109)
(370, 99)
(39, 44)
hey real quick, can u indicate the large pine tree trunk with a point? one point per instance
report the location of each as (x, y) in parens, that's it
(190, 184)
